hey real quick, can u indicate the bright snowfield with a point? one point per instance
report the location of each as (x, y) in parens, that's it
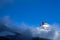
(27, 32)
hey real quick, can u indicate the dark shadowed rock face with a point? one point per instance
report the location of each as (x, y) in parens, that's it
(37, 38)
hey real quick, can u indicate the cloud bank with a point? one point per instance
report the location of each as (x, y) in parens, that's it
(28, 32)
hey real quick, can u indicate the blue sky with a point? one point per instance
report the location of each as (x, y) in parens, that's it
(32, 12)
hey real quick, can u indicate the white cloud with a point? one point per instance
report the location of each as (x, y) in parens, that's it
(31, 31)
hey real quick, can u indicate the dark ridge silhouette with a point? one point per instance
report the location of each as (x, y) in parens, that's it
(3, 38)
(37, 38)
